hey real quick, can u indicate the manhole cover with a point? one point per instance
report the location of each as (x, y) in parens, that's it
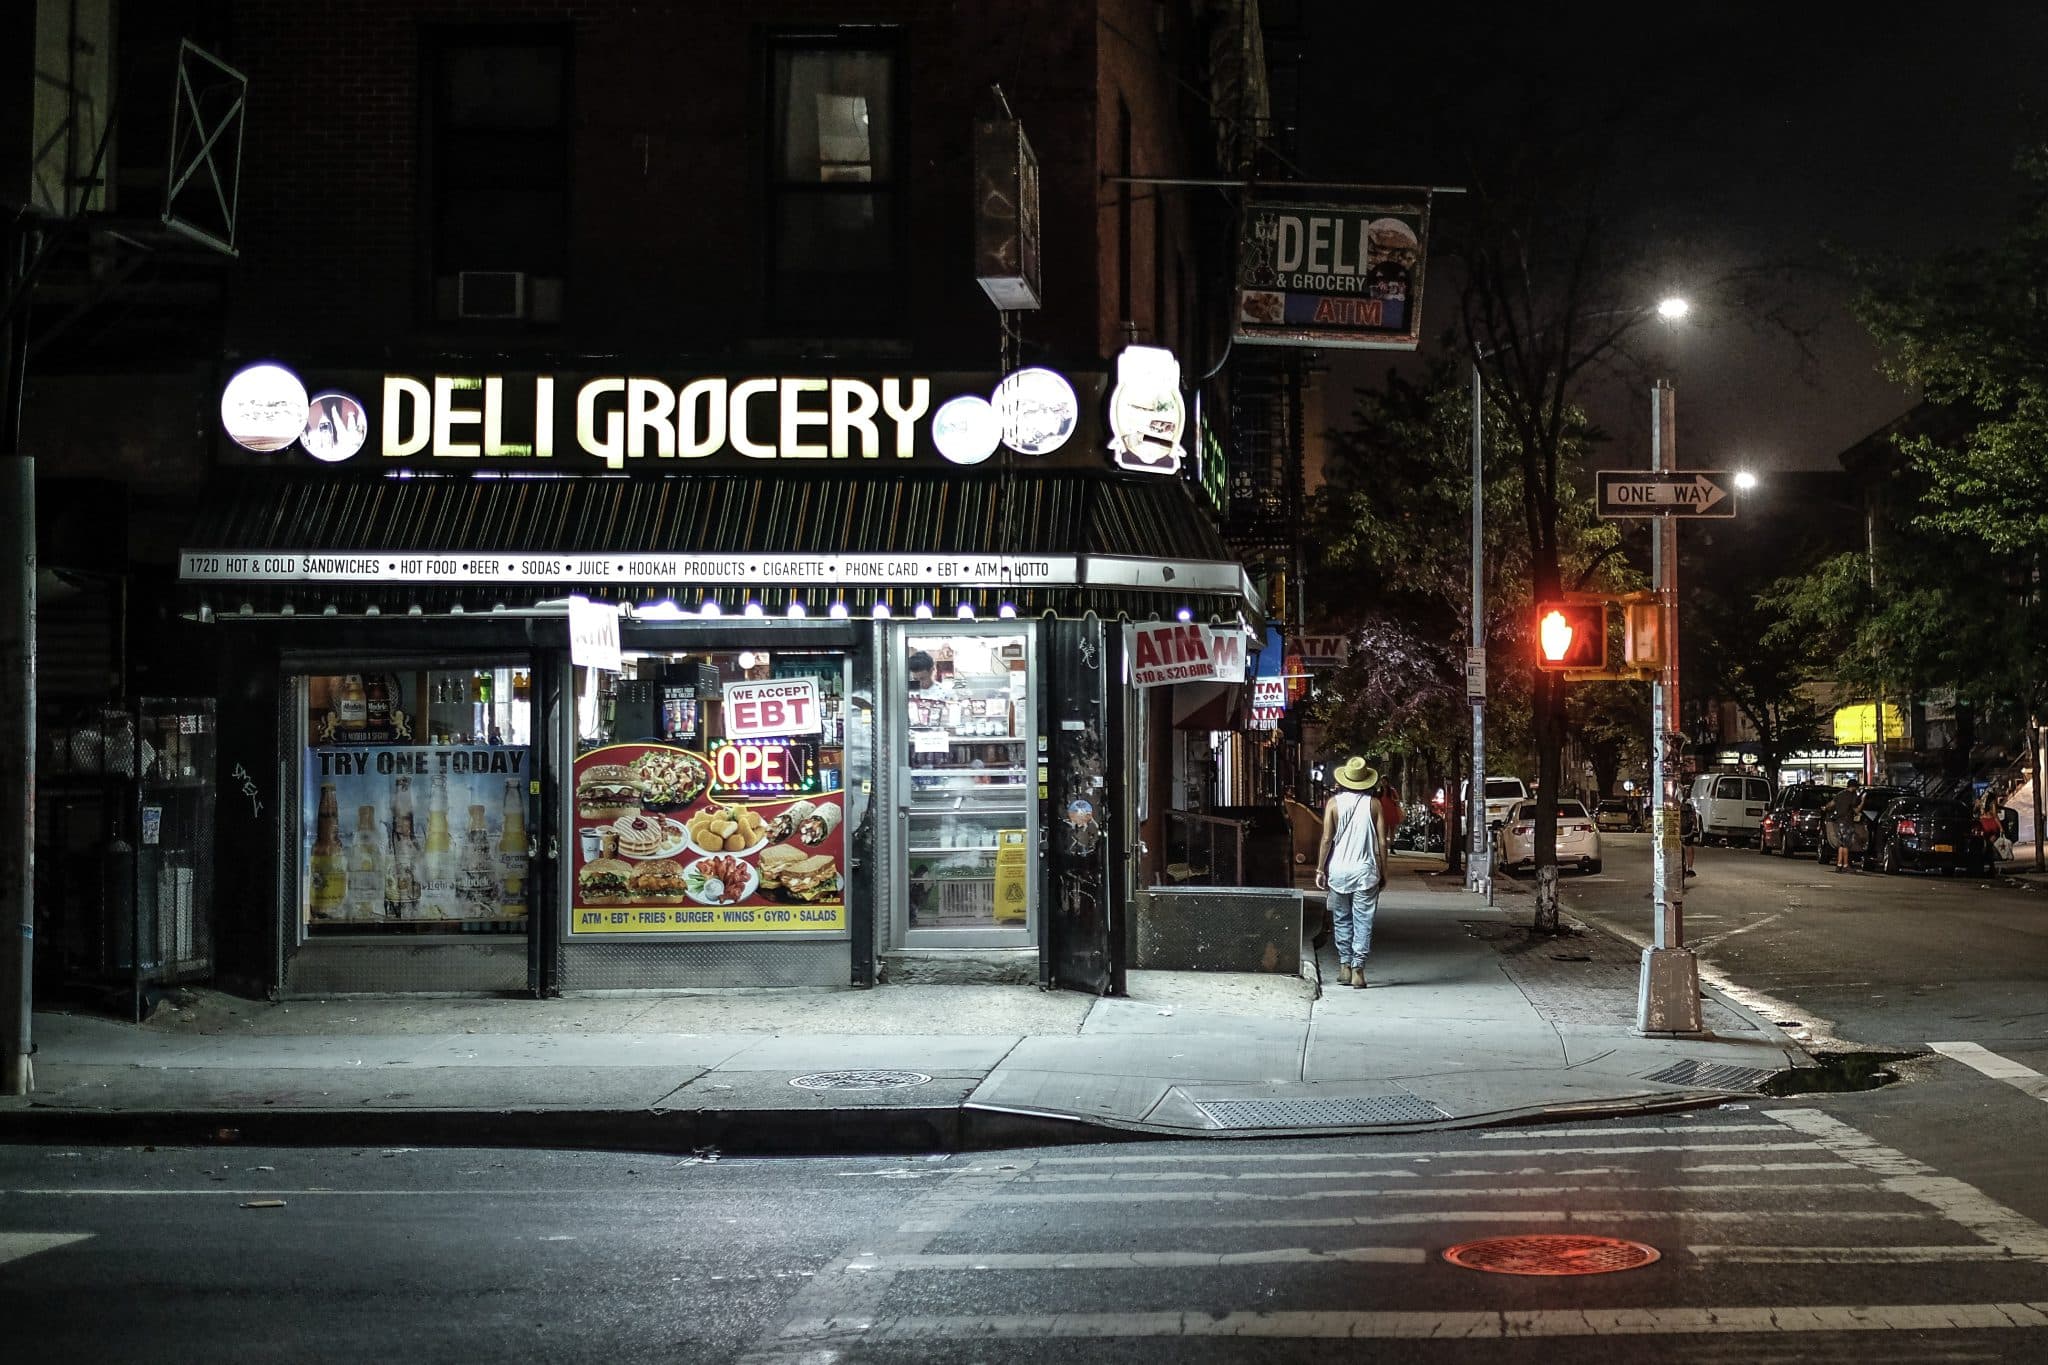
(860, 1080)
(1551, 1254)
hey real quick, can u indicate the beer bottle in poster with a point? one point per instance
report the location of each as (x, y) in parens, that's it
(377, 704)
(437, 875)
(512, 850)
(402, 872)
(366, 868)
(328, 872)
(352, 708)
(476, 889)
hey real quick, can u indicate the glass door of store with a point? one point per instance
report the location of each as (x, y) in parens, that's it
(967, 790)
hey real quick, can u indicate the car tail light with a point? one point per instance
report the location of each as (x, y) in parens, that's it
(1525, 829)
(1908, 827)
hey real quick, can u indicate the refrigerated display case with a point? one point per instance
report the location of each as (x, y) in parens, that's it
(968, 802)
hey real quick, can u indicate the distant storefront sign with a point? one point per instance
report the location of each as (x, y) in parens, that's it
(1342, 275)
(1323, 651)
(1858, 724)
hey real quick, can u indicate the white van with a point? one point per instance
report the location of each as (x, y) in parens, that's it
(1729, 806)
(1503, 794)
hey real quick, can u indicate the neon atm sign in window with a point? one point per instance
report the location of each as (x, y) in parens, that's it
(763, 767)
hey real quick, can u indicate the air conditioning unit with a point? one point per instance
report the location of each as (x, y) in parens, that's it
(490, 294)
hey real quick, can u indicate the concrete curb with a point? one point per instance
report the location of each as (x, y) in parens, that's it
(872, 1131)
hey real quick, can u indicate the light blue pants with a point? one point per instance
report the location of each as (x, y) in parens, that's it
(1351, 915)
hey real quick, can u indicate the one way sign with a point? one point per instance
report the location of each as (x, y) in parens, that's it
(1667, 493)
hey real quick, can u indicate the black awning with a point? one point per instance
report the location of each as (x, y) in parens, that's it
(966, 512)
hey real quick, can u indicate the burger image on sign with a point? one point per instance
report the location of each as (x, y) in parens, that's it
(1146, 411)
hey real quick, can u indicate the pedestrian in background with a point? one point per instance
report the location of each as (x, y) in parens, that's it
(1845, 821)
(1350, 866)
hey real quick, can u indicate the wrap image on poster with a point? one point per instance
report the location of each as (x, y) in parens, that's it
(662, 848)
(403, 837)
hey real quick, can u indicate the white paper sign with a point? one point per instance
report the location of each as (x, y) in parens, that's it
(1269, 694)
(767, 710)
(594, 635)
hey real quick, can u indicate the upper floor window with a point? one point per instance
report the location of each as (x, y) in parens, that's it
(835, 229)
(497, 162)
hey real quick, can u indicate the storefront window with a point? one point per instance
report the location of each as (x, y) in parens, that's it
(967, 737)
(709, 795)
(414, 790)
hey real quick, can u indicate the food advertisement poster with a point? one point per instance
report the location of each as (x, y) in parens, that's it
(662, 848)
(401, 835)
(1342, 275)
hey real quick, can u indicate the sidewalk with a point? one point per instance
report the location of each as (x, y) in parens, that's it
(1468, 1021)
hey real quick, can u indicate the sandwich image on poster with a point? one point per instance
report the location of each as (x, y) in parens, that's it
(661, 850)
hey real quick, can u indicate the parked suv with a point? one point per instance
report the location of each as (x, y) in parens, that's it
(1728, 806)
(1616, 815)
(1792, 824)
(1503, 794)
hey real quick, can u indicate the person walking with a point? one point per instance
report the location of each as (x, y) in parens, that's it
(1845, 821)
(1350, 866)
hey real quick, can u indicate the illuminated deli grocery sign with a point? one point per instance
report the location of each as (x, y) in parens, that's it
(636, 422)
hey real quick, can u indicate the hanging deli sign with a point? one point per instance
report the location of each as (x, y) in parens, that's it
(628, 422)
(1184, 651)
(1342, 275)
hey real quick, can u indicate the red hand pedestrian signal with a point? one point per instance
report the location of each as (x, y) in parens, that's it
(1571, 635)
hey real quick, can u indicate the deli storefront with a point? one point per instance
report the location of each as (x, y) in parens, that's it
(702, 683)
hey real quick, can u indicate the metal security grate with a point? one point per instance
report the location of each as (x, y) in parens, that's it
(1551, 1254)
(1708, 1075)
(1350, 1112)
(860, 1080)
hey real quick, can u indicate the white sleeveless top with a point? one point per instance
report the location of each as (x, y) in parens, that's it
(1355, 852)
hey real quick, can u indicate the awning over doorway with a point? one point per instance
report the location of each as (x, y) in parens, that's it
(1140, 547)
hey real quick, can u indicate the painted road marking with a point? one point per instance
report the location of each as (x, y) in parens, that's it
(2021, 1078)
(1953, 1199)
(1863, 1255)
(1452, 1153)
(1018, 1196)
(1494, 1326)
(15, 1245)
(1442, 1154)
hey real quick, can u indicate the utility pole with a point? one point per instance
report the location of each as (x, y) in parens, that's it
(1476, 870)
(1668, 992)
(17, 676)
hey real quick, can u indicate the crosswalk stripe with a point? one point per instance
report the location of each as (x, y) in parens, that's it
(2024, 1079)
(1491, 1325)
(1013, 1195)
(1865, 1255)
(1436, 1154)
(15, 1245)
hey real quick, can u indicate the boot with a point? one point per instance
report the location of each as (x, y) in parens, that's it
(1343, 975)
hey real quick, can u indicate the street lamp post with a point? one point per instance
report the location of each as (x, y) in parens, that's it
(1475, 661)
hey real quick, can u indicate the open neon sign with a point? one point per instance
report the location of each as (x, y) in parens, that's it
(763, 767)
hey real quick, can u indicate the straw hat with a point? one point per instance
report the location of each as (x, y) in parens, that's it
(1357, 775)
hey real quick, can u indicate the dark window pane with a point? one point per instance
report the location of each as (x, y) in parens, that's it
(835, 231)
(501, 86)
(834, 117)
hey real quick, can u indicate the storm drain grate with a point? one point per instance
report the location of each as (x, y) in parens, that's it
(1709, 1075)
(860, 1080)
(1322, 1113)
(1551, 1254)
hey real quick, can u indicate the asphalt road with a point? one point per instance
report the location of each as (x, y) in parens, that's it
(1898, 962)
(1834, 1230)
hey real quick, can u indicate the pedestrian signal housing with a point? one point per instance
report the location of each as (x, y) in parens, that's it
(1571, 635)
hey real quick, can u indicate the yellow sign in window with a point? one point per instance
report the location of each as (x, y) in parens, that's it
(1857, 724)
(1013, 878)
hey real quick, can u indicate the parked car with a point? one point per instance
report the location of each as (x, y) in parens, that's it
(1929, 831)
(1728, 806)
(1792, 824)
(1616, 816)
(1578, 839)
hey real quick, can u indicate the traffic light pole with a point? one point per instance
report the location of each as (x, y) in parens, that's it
(1668, 993)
